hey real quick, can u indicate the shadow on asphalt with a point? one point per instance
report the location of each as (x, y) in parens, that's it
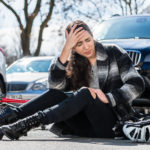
(45, 136)
(97, 141)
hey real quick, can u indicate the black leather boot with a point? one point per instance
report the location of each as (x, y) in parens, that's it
(20, 128)
(8, 114)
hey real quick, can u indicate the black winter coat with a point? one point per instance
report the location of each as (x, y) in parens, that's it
(118, 78)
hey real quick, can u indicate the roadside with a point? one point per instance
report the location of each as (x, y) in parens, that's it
(44, 140)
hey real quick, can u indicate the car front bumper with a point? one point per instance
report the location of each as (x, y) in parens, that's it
(24, 95)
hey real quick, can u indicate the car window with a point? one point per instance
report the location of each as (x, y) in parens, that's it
(32, 66)
(38, 66)
(133, 27)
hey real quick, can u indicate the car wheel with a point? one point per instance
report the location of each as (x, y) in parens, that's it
(2, 89)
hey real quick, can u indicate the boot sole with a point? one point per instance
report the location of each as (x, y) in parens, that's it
(8, 135)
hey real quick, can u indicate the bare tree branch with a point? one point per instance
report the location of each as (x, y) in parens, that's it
(97, 8)
(29, 2)
(37, 8)
(30, 16)
(14, 12)
(139, 4)
(129, 6)
(44, 23)
(26, 9)
(121, 5)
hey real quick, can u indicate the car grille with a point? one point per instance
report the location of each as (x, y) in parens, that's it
(16, 87)
(135, 57)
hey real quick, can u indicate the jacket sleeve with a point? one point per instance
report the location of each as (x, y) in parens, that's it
(57, 75)
(133, 83)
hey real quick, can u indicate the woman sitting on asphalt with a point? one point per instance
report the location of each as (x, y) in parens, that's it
(104, 82)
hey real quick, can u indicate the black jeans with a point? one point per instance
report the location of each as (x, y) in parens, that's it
(83, 115)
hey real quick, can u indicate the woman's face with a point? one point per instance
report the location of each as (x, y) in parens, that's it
(85, 46)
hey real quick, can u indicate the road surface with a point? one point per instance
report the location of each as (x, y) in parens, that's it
(38, 139)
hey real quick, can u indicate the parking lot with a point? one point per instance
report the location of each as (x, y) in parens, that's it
(39, 139)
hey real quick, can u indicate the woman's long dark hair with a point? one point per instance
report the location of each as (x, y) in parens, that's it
(79, 67)
(78, 71)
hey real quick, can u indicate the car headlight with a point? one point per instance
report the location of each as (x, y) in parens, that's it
(41, 84)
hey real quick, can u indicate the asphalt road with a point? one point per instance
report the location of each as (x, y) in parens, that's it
(38, 139)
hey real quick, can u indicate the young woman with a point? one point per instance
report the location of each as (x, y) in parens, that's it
(104, 82)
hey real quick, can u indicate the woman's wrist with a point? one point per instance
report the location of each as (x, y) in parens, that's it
(64, 55)
(64, 64)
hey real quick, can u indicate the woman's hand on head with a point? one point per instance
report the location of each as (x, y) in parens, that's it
(73, 37)
(71, 40)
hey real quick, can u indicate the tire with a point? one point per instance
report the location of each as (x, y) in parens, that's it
(2, 89)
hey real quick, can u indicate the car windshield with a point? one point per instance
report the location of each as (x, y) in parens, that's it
(126, 28)
(32, 66)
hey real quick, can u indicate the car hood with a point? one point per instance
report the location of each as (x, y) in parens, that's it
(130, 44)
(25, 77)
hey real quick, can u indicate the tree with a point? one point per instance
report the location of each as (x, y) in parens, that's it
(26, 23)
(97, 9)
(93, 10)
(84, 9)
(130, 7)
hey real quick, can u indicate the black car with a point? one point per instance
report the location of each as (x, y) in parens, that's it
(132, 33)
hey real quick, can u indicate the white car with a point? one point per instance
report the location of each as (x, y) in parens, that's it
(28, 77)
(2, 74)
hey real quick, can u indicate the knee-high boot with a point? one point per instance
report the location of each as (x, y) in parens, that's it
(20, 128)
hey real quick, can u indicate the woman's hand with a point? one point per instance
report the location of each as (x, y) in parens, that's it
(100, 95)
(71, 40)
(73, 37)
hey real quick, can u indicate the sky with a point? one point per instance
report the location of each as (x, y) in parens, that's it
(52, 43)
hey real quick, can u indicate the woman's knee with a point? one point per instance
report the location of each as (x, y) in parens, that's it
(93, 94)
(56, 93)
(87, 91)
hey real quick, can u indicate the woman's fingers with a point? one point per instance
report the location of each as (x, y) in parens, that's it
(66, 33)
(100, 95)
(92, 93)
(73, 33)
(78, 30)
(80, 34)
(78, 37)
(72, 29)
(75, 38)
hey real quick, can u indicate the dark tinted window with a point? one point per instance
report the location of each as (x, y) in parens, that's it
(124, 28)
